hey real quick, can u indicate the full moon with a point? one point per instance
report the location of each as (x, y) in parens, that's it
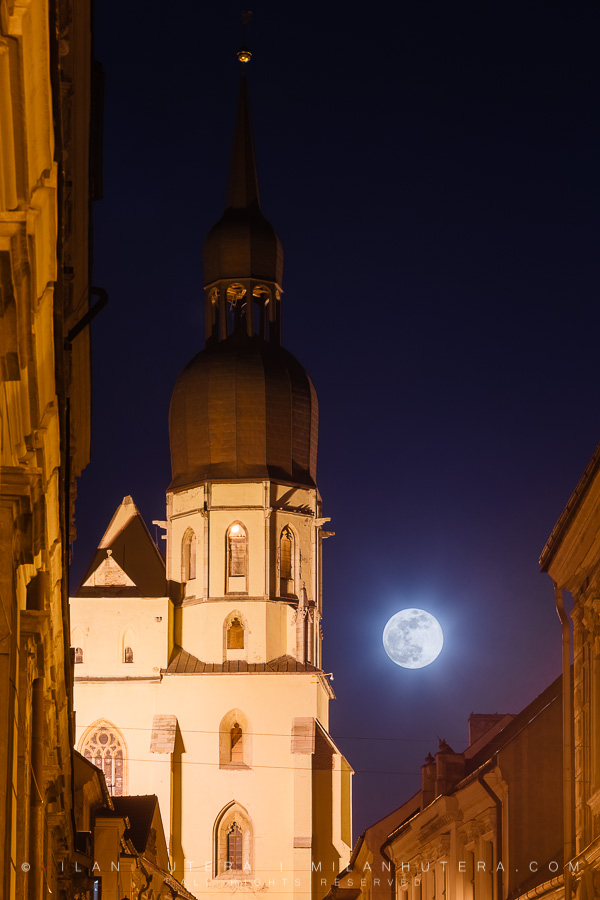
(413, 638)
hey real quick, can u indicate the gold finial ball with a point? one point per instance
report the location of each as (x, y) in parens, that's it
(244, 55)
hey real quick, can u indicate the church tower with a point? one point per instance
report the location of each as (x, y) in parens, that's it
(206, 680)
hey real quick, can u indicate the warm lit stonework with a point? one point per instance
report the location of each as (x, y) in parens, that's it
(45, 109)
(201, 676)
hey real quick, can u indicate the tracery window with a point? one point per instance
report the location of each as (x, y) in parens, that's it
(104, 748)
(234, 847)
(233, 843)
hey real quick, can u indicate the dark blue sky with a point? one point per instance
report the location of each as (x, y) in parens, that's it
(433, 175)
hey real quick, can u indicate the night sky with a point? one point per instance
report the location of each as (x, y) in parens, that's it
(433, 172)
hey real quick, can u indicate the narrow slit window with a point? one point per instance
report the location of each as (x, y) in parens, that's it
(286, 561)
(234, 847)
(237, 744)
(188, 557)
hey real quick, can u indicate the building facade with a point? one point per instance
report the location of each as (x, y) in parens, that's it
(199, 678)
(572, 559)
(46, 173)
(517, 815)
(485, 824)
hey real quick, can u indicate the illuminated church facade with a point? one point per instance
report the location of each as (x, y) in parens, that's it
(199, 677)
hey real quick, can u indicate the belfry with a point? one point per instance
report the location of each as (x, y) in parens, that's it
(199, 676)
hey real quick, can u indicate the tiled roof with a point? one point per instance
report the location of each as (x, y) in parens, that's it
(183, 663)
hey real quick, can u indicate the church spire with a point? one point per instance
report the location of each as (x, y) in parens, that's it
(243, 257)
(242, 190)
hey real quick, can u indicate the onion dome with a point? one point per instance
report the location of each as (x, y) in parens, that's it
(243, 408)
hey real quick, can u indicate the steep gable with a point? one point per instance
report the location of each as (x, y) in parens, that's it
(127, 560)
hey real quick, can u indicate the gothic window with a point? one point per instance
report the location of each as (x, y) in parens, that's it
(188, 556)
(237, 744)
(128, 646)
(233, 843)
(104, 747)
(235, 635)
(238, 546)
(237, 559)
(77, 642)
(234, 740)
(287, 560)
(234, 847)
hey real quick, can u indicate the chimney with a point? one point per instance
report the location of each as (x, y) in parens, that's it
(428, 781)
(481, 723)
(450, 768)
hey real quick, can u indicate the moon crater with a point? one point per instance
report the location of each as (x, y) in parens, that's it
(413, 638)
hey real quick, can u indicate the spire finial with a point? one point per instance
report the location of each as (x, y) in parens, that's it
(244, 54)
(243, 182)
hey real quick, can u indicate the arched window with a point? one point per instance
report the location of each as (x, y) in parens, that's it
(104, 747)
(287, 562)
(235, 635)
(188, 556)
(236, 751)
(234, 848)
(237, 558)
(77, 641)
(233, 843)
(128, 646)
(235, 740)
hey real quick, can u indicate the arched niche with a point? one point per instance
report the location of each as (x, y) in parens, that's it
(235, 741)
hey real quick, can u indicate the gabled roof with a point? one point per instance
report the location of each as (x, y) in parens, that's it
(127, 561)
(183, 663)
(516, 725)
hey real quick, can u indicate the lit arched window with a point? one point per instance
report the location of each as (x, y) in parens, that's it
(235, 635)
(78, 655)
(237, 558)
(233, 842)
(234, 740)
(238, 545)
(287, 562)
(188, 556)
(105, 748)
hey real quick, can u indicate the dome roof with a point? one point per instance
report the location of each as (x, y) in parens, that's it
(243, 244)
(243, 408)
